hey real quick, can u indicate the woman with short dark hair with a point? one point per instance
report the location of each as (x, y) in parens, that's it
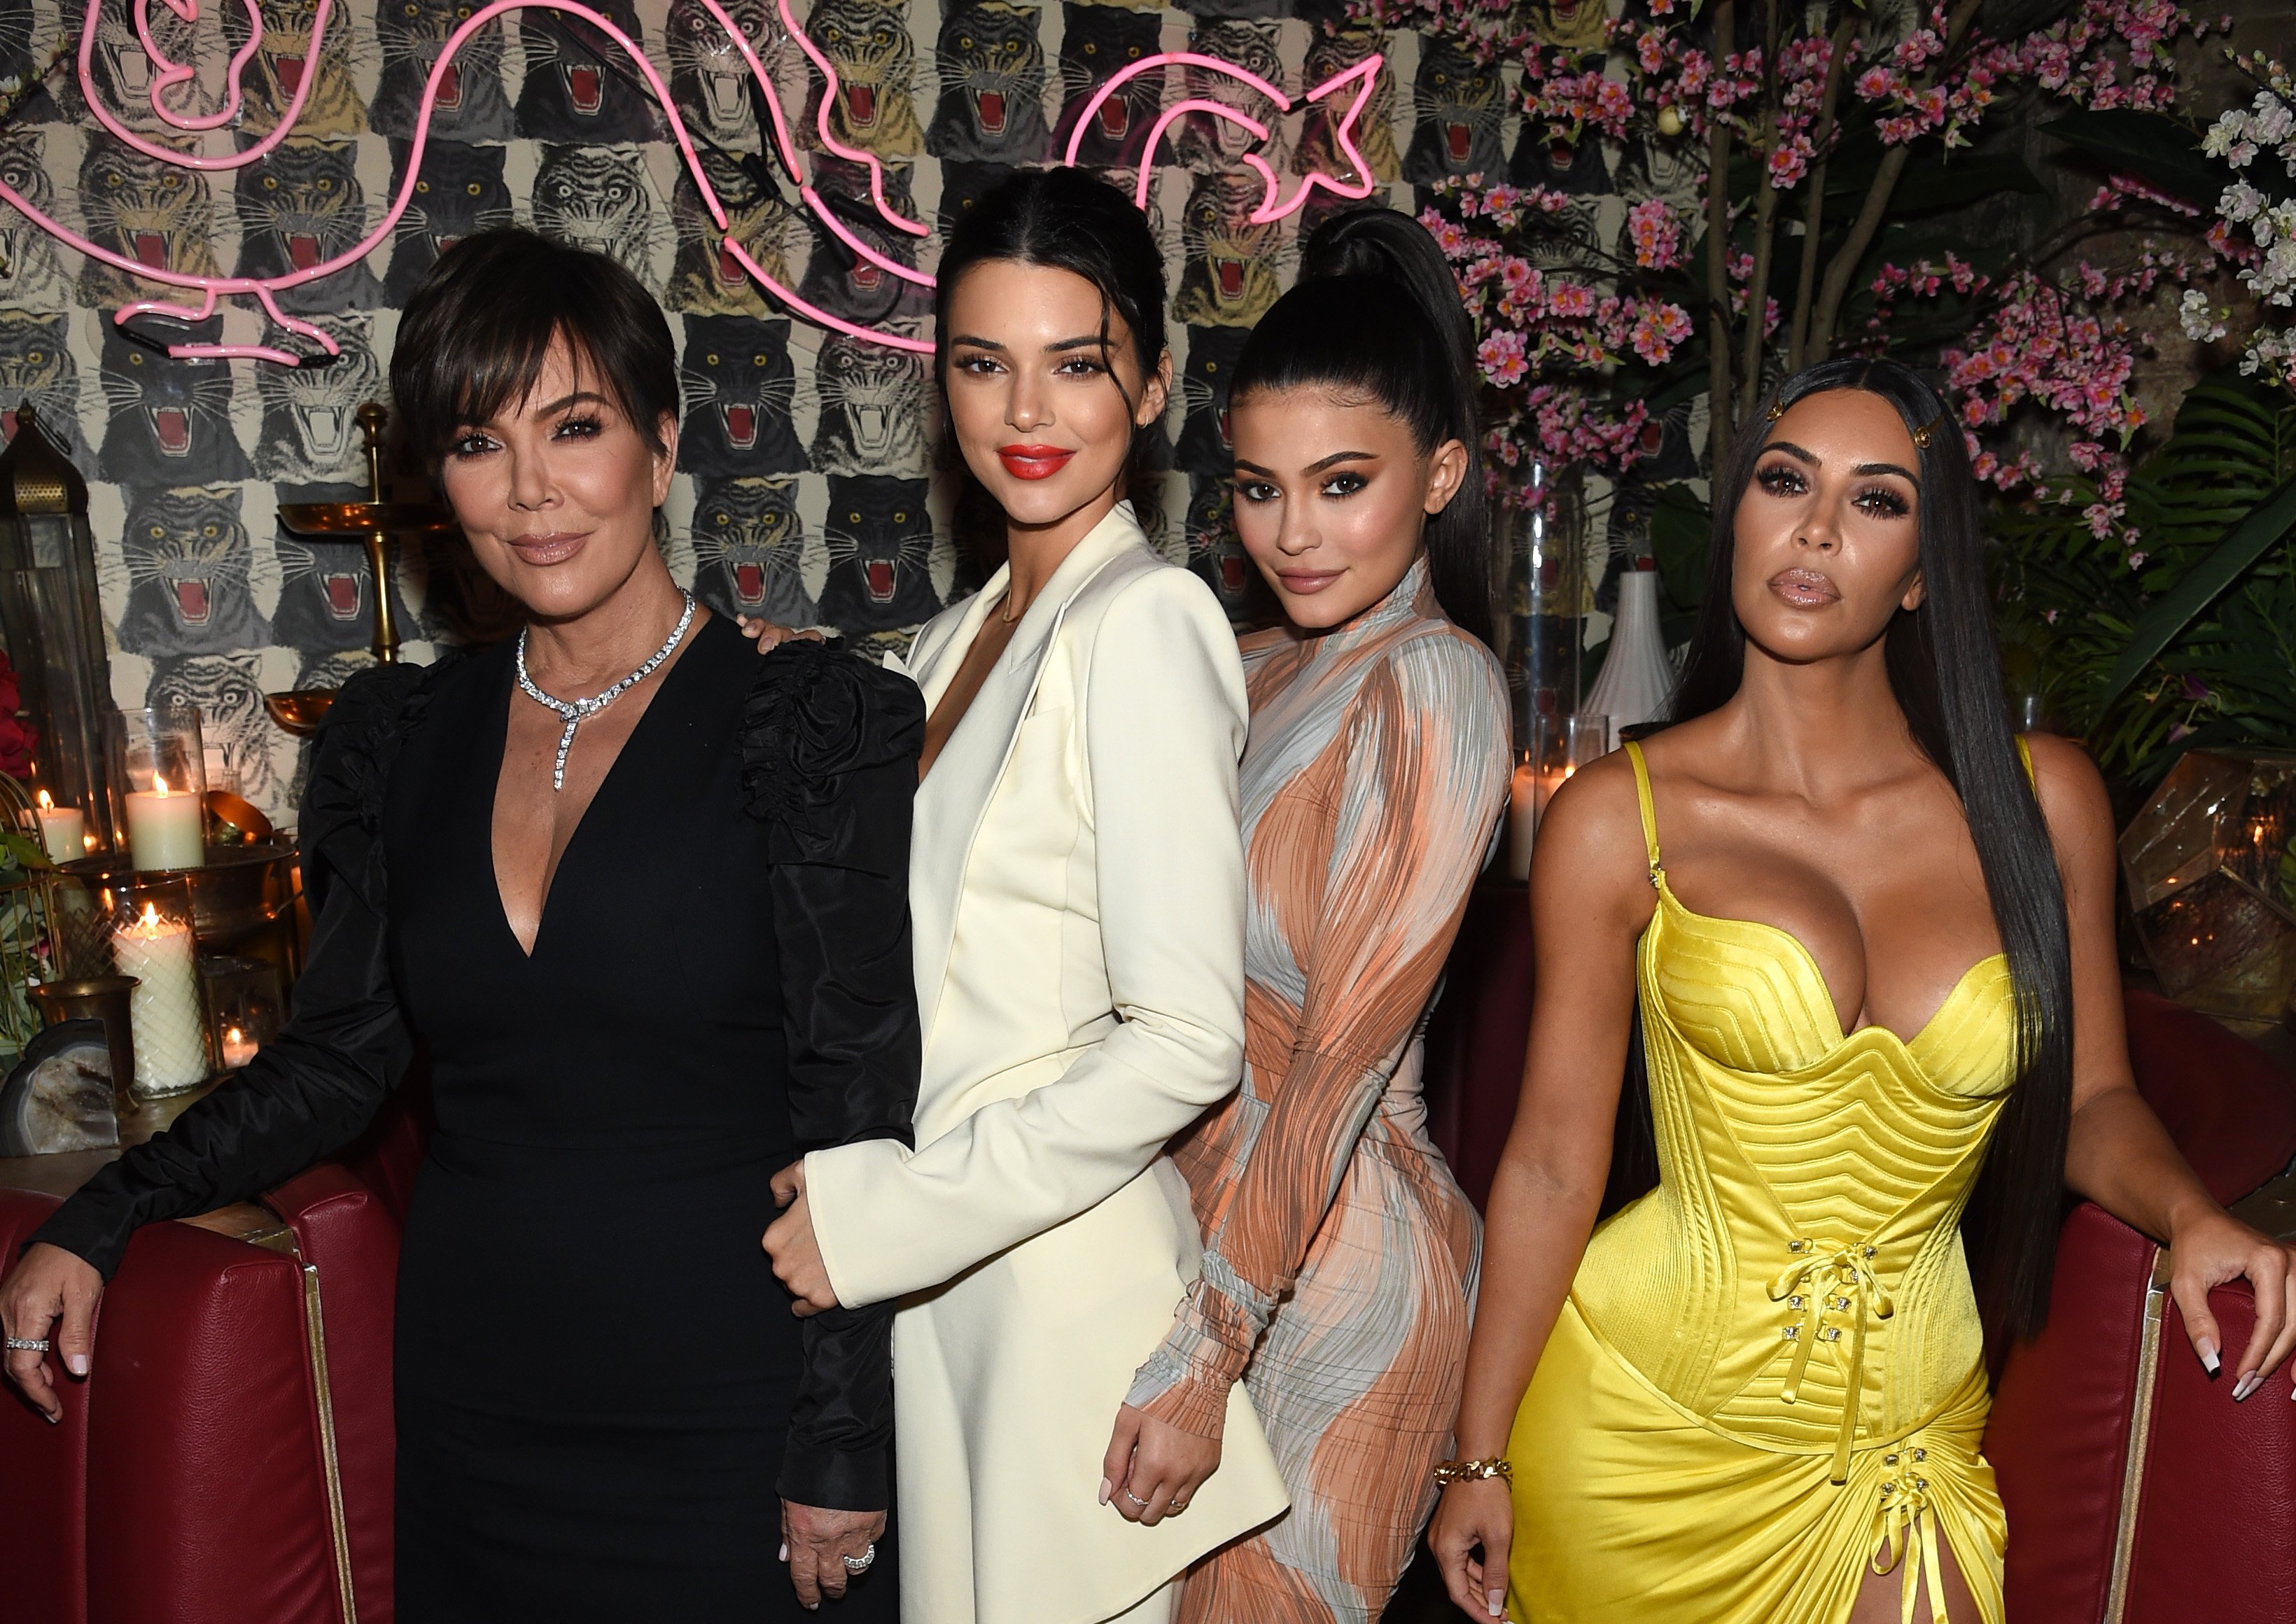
(643, 898)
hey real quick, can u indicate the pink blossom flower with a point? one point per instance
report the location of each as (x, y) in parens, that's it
(1501, 356)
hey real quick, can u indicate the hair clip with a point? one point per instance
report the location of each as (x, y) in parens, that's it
(1777, 410)
(1922, 434)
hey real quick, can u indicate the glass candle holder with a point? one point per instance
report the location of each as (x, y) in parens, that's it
(165, 769)
(1547, 600)
(1522, 813)
(1560, 745)
(152, 939)
(244, 999)
(81, 909)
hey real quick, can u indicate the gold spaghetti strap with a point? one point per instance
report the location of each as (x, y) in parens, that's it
(2025, 754)
(1642, 798)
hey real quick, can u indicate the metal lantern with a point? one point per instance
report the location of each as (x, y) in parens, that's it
(53, 618)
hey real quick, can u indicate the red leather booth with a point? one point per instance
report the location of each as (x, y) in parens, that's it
(228, 1459)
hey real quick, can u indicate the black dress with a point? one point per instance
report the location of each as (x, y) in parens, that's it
(602, 1393)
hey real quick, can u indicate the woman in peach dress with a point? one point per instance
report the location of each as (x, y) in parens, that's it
(1339, 1254)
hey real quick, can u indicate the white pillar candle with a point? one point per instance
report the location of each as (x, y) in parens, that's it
(63, 829)
(164, 830)
(1522, 819)
(163, 1009)
(238, 1049)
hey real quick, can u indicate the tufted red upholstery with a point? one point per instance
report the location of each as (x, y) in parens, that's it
(1477, 1035)
(43, 1488)
(2061, 1418)
(2231, 1109)
(188, 1483)
(2059, 1435)
(2221, 1481)
(351, 1237)
(207, 1499)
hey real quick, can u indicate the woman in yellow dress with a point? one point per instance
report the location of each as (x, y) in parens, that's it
(1868, 933)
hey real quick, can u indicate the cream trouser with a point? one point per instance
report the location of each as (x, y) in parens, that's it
(1157, 1608)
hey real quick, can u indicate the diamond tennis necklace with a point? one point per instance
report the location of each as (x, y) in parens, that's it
(578, 711)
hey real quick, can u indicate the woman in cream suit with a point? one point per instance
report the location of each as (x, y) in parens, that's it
(1076, 890)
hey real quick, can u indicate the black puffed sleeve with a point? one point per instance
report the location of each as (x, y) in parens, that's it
(315, 1087)
(829, 750)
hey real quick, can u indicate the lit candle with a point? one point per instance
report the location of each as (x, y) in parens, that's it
(164, 831)
(238, 1049)
(63, 830)
(163, 1009)
(1522, 819)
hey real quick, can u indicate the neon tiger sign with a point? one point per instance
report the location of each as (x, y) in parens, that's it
(1360, 79)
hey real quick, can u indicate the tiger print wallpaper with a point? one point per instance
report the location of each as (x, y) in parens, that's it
(806, 489)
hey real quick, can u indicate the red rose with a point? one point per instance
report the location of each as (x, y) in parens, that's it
(18, 737)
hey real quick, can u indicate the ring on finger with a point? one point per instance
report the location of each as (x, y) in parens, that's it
(27, 1344)
(1136, 1499)
(1176, 1508)
(861, 1563)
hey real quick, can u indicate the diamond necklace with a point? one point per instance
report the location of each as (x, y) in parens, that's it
(580, 711)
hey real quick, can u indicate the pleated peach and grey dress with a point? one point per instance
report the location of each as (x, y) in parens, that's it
(1339, 1261)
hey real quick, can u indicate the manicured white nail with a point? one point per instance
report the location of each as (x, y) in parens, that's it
(52, 1420)
(785, 1551)
(2208, 1351)
(2249, 1383)
(1496, 1600)
(77, 1364)
(1106, 1488)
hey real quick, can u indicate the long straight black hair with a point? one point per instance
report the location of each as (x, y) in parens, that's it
(1073, 221)
(1376, 313)
(1945, 670)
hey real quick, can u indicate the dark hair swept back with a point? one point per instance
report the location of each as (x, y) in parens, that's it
(1945, 670)
(1068, 221)
(476, 330)
(1376, 313)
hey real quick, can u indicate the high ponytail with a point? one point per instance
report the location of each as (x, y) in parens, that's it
(1377, 313)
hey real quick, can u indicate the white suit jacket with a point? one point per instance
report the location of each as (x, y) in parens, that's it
(1076, 890)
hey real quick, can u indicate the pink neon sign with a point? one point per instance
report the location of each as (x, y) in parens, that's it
(169, 74)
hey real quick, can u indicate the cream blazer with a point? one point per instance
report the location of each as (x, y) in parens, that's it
(1077, 889)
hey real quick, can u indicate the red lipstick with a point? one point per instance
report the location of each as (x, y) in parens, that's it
(1034, 462)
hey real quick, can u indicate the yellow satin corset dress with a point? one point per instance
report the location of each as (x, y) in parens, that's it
(1768, 1378)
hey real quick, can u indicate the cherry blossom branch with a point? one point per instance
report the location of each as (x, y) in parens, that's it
(1837, 63)
(1843, 265)
(1718, 255)
(1765, 221)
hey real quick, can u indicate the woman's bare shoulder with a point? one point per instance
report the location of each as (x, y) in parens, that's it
(1590, 853)
(2071, 793)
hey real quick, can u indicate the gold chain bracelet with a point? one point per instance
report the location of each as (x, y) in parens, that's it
(1465, 1472)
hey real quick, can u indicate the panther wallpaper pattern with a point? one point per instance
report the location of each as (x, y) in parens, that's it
(807, 488)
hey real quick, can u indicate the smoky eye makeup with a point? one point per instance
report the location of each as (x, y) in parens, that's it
(1882, 502)
(1780, 477)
